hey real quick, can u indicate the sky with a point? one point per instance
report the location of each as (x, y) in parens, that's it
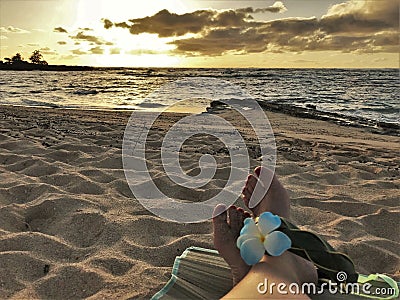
(198, 33)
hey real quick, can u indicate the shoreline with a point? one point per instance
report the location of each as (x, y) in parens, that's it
(68, 218)
(26, 66)
(95, 68)
(378, 127)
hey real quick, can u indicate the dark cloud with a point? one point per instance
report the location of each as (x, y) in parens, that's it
(293, 26)
(361, 17)
(48, 51)
(60, 29)
(86, 29)
(352, 26)
(107, 23)
(121, 25)
(80, 36)
(277, 7)
(220, 41)
(97, 50)
(167, 24)
(78, 52)
(61, 43)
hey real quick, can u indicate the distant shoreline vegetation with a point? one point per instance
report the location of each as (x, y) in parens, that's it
(17, 63)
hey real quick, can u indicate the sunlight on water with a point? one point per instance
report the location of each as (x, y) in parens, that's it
(372, 94)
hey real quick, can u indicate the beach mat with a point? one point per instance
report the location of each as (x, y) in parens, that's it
(201, 273)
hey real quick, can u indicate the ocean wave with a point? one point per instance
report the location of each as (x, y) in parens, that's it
(150, 105)
(366, 93)
(85, 92)
(39, 103)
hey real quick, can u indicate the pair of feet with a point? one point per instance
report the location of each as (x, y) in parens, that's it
(227, 223)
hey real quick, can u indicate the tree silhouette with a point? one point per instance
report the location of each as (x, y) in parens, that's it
(36, 58)
(17, 58)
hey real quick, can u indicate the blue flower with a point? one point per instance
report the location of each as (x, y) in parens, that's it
(255, 239)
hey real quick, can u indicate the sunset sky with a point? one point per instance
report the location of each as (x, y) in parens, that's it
(196, 33)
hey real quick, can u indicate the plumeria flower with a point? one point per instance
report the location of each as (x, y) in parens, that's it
(255, 239)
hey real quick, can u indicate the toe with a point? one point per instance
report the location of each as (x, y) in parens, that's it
(219, 213)
(246, 195)
(242, 216)
(264, 176)
(220, 224)
(257, 171)
(251, 182)
(236, 219)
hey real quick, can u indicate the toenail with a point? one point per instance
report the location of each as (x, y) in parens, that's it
(219, 209)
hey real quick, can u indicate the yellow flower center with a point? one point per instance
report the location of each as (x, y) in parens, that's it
(262, 238)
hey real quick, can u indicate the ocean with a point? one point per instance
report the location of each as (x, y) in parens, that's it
(372, 94)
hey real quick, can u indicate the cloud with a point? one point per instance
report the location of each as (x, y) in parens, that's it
(277, 7)
(142, 51)
(86, 29)
(122, 25)
(61, 42)
(78, 52)
(80, 36)
(355, 26)
(220, 41)
(361, 17)
(3, 37)
(33, 44)
(48, 51)
(167, 24)
(115, 51)
(97, 50)
(68, 57)
(352, 26)
(12, 29)
(60, 29)
(107, 23)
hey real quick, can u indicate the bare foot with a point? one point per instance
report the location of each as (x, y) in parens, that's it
(227, 224)
(274, 199)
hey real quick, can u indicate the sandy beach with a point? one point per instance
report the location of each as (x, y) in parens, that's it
(71, 228)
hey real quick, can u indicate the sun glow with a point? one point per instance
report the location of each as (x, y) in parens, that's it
(72, 32)
(127, 49)
(128, 60)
